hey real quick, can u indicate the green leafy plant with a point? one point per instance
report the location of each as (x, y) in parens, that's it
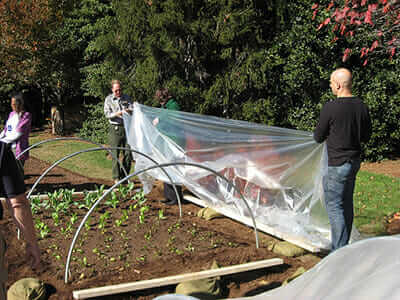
(73, 218)
(87, 223)
(143, 211)
(103, 219)
(42, 227)
(35, 205)
(56, 218)
(113, 201)
(161, 214)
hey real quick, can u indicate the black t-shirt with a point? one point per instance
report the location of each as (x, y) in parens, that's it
(344, 123)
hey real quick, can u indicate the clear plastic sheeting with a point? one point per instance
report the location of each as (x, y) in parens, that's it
(367, 269)
(278, 171)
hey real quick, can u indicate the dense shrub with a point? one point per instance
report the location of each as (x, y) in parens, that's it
(95, 127)
(260, 61)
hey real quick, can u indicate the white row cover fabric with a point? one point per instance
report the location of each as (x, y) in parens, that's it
(278, 171)
(367, 269)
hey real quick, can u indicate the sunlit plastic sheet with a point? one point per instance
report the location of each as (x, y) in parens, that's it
(279, 171)
(367, 269)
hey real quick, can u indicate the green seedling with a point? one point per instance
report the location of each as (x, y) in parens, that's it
(35, 204)
(161, 214)
(143, 210)
(54, 199)
(125, 215)
(190, 247)
(74, 218)
(147, 235)
(67, 196)
(113, 201)
(87, 223)
(56, 218)
(42, 227)
(123, 190)
(85, 262)
(139, 198)
(178, 252)
(103, 219)
(193, 232)
(141, 258)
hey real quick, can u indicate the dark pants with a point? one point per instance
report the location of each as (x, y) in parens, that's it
(169, 192)
(117, 138)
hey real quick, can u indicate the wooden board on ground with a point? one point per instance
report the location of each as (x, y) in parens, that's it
(145, 284)
(261, 227)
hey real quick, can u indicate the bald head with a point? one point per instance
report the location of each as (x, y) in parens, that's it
(343, 77)
(341, 80)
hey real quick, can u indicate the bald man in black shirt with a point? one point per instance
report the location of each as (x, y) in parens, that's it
(344, 124)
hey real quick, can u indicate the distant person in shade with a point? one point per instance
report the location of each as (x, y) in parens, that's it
(168, 102)
(344, 123)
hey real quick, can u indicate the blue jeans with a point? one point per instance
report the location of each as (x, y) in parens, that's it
(338, 186)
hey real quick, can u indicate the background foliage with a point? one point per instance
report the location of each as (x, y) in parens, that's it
(254, 60)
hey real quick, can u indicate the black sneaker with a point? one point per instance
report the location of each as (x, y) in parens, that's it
(171, 202)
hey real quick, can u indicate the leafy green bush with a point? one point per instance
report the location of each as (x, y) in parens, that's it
(95, 127)
(259, 61)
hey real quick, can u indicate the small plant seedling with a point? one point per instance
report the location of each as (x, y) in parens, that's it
(123, 190)
(141, 258)
(74, 218)
(87, 223)
(85, 262)
(113, 201)
(42, 227)
(140, 198)
(35, 205)
(161, 214)
(103, 219)
(56, 218)
(143, 210)
(125, 215)
(147, 235)
(189, 247)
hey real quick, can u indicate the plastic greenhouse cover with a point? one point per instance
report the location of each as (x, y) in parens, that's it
(278, 171)
(367, 269)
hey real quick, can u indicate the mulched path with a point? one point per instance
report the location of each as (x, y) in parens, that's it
(384, 167)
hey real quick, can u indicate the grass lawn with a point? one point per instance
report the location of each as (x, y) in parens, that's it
(376, 197)
(91, 164)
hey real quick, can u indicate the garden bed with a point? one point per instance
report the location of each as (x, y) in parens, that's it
(132, 237)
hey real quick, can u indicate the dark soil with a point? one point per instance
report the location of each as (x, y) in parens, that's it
(134, 250)
(155, 248)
